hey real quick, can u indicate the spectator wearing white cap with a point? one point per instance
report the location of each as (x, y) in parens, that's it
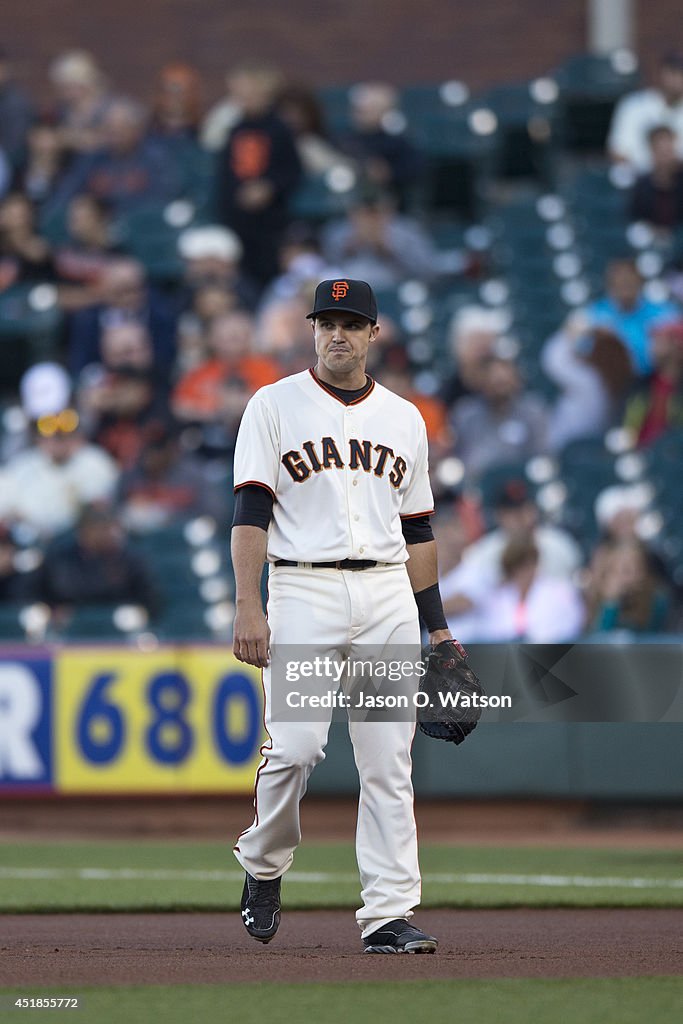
(620, 511)
(212, 255)
(43, 488)
(44, 390)
(474, 333)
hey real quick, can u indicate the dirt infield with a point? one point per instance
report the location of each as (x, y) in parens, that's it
(99, 949)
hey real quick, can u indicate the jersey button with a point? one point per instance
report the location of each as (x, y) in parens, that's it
(356, 518)
(361, 550)
(355, 483)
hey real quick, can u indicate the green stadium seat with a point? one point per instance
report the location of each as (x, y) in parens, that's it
(590, 85)
(527, 130)
(316, 202)
(10, 623)
(94, 622)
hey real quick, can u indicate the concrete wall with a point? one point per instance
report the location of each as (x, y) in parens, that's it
(628, 761)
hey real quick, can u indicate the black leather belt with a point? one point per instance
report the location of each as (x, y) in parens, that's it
(346, 563)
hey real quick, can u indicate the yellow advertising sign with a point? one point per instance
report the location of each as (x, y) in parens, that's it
(173, 720)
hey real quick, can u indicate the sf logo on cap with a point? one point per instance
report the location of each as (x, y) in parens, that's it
(339, 290)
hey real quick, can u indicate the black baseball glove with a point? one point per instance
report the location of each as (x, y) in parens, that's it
(453, 690)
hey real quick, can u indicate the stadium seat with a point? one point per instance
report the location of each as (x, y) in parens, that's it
(11, 627)
(93, 622)
(527, 128)
(146, 234)
(30, 323)
(316, 202)
(334, 100)
(590, 85)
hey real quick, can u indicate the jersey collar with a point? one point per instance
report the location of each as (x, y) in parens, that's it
(328, 390)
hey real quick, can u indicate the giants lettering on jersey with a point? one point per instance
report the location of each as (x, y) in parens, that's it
(371, 458)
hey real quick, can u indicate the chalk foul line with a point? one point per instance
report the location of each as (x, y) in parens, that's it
(93, 874)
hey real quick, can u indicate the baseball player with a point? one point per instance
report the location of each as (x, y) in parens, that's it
(332, 490)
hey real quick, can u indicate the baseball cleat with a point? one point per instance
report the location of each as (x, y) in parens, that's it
(261, 907)
(399, 937)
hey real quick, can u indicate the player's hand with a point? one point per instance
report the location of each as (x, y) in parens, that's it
(251, 636)
(438, 635)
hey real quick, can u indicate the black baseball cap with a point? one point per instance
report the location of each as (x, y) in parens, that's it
(346, 295)
(512, 493)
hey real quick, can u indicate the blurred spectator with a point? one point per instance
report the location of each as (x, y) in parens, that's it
(123, 409)
(452, 526)
(25, 257)
(627, 593)
(223, 116)
(208, 302)
(385, 156)
(501, 423)
(620, 512)
(82, 100)
(167, 485)
(394, 373)
(214, 439)
(657, 405)
(593, 371)
(45, 163)
(199, 394)
(44, 390)
(527, 605)
(177, 106)
(5, 175)
(283, 334)
(301, 265)
(12, 582)
(97, 566)
(375, 243)
(480, 571)
(299, 108)
(124, 346)
(258, 170)
(212, 256)
(44, 487)
(81, 262)
(15, 115)
(128, 172)
(625, 310)
(636, 114)
(124, 298)
(473, 336)
(657, 196)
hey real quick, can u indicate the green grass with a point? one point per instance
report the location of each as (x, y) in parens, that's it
(590, 1001)
(205, 876)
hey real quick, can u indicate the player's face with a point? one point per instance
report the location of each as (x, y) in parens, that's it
(341, 344)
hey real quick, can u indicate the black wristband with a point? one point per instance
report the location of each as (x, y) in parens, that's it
(429, 606)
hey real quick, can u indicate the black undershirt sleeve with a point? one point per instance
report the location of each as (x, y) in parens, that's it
(417, 530)
(253, 506)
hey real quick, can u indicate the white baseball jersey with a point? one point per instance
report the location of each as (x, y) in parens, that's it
(342, 476)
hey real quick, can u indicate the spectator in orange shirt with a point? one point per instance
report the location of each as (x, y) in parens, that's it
(198, 395)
